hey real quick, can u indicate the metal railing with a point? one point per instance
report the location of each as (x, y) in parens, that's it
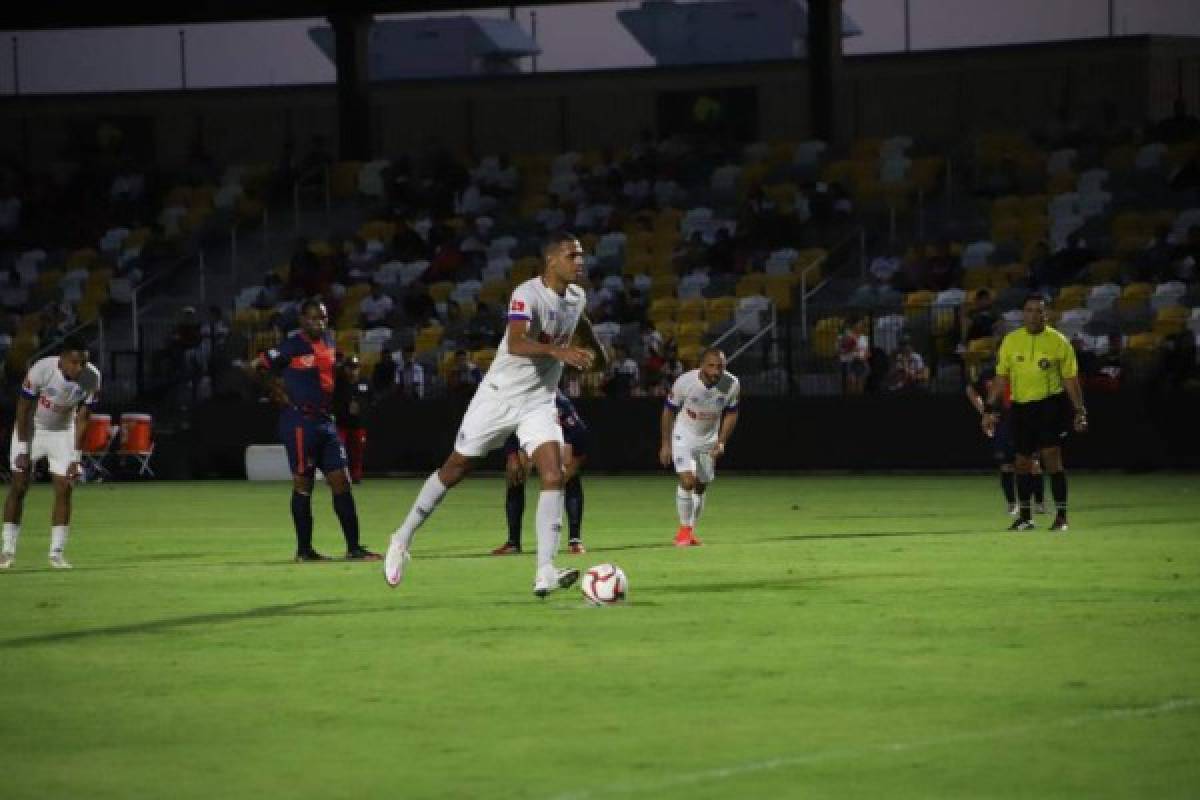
(137, 293)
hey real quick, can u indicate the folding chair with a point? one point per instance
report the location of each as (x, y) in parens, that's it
(137, 441)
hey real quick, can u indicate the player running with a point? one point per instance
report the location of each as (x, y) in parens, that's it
(300, 376)
(53, 407)
(698, 418)
(516, 469)
(517, 396)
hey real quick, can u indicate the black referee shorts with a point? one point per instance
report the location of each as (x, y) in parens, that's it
(1040, 424)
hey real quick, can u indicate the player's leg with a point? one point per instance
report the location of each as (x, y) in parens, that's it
(704, 475)
(331, 458)
(547, 459)
(1052, 461)
(60, 520)
(1039, 485)
(516, 468)
(573, 497)
(1024, 431)
(297, 441)
(1006, 456)
(14, 505)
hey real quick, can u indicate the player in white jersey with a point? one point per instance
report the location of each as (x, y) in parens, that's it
(517, 396)
(52, 416)
(697, 420)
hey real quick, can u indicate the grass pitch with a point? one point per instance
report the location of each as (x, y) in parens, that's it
(836, 637)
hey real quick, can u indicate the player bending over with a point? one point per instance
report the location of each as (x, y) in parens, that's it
(517, 396)
(51, 420)
(698, 418)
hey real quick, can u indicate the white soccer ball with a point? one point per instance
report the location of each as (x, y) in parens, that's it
(604, 584)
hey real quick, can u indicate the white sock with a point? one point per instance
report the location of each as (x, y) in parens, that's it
(697, 507)
(683, 502)
(12, 532)
(427, 500)
(549, 526)
(58, 538)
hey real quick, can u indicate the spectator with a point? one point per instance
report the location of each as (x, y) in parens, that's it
(385, 372)
(623, 375)
(464, 374)
(412, 381)
(885, 265)
(375, 308)
(854, 353)
(908, 369)
(981, 318)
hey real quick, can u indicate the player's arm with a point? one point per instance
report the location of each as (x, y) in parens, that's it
(267, 368)
(974, 398)
(587, 334)
(82, 415)
(728, 423)
(666, 424)
(23, 424)
(519, 344)
(991, 409)
(1070, 373)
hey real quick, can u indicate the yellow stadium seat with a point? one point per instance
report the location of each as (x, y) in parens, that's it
(1074, 296)
(690, 332)
(979, 278)
(668, 328)
(348, 340)
(690, 310)
(751, 284)
(663, 308)
(1144, 341)
(690, 355)
(720, 309)
(441, 291)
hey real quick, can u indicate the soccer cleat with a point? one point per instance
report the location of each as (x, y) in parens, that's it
(685, 538)
(563, 579)
(311, 555)
(576, 548)
(1039, 508)
(395, 561)
(7, 559)
(58, 561)
(1060, 523)
(507, 549)
(1013, 509)
(362, 554)
(1021, 525)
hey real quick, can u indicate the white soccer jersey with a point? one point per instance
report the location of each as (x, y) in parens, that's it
(698, 408)
(551, 319)
(57, 398)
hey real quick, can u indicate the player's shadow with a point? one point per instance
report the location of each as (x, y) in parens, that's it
(306, 608)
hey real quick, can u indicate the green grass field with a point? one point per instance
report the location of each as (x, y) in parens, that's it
(838, 637)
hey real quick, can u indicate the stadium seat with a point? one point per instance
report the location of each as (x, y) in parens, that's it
(1070, 297)
(690, 310)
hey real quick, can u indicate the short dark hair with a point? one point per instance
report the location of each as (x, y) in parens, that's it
(705, 353)
(73, 344)
(1033, 297)
(557, 240)
(312, 302)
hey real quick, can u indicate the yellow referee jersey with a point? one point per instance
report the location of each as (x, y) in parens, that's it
(1036, 363)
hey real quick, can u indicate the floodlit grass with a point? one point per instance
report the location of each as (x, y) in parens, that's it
(836, 637)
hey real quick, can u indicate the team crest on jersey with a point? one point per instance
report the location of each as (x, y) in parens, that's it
(517, 305)
(1044, 363)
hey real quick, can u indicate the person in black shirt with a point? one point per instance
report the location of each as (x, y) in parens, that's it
(351, 396)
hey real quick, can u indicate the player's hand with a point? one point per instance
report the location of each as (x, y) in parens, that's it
(279, 396)
(21, 462)
(1081, 423)
(74, 471)
(717, 451)
(989, 423)
(664, 455)
(577, 357)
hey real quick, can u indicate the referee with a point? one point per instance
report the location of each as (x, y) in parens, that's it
(1038, 363)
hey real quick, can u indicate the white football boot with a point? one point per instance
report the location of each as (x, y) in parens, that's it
(7, 559)
(58, 561)
(395, 561)
(549, 578)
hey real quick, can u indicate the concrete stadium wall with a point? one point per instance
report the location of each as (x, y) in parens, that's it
(937, 96)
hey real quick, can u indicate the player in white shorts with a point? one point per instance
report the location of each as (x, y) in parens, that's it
(52, 416)
(697, 420)
(517, 396)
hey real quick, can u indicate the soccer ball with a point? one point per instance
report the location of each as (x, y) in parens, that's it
(604, 584)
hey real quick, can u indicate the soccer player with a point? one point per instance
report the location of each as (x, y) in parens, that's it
(1003, 448)
(300, 375)
(351, 396)
(516, 468)
(1037, 363)
(51, 419)
(697, 420)
(517, 396)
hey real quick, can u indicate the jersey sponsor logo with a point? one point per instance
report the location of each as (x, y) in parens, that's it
(303, 362)
(517, 305)
(1044, 363)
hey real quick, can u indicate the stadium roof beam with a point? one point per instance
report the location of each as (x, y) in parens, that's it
(825, 67)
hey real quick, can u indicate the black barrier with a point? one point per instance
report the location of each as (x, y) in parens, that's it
(879, 432)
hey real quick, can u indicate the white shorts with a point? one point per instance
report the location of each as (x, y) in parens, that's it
(57, 447)
(694, 456)
(489, 421)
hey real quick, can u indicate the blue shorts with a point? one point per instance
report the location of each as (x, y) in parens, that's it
(311, 443)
